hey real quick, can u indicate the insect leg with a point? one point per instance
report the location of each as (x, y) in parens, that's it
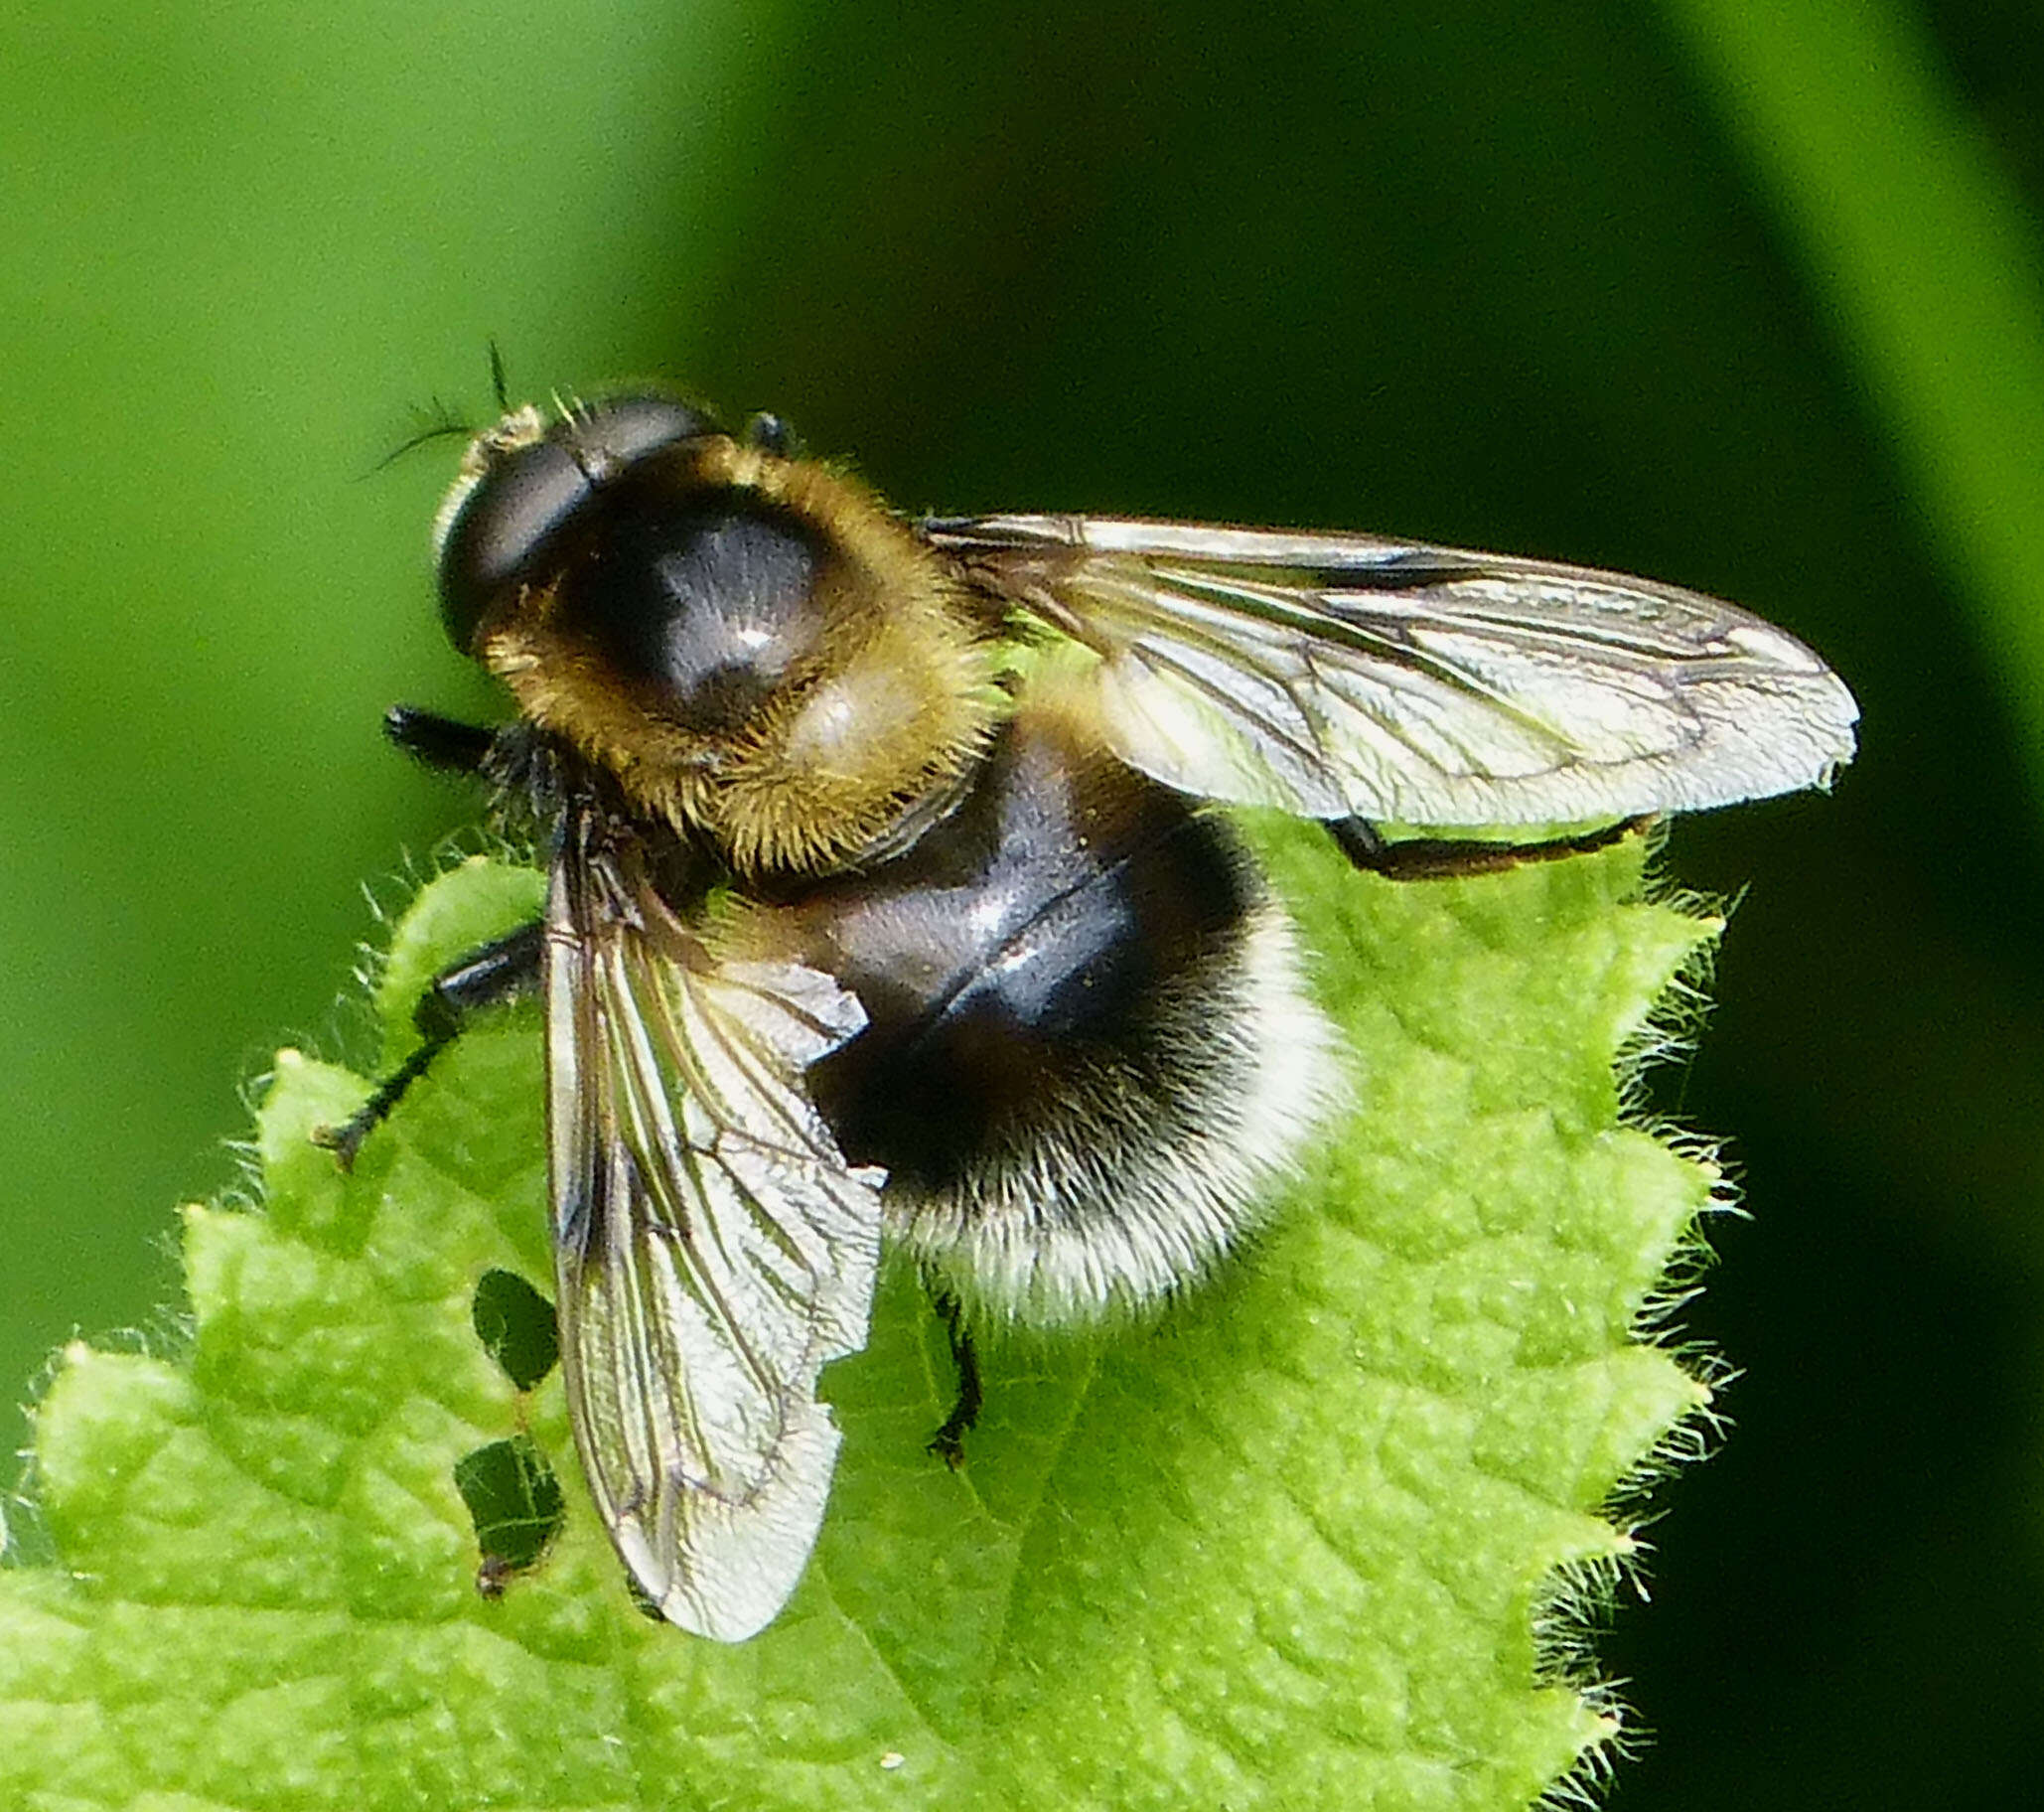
(949, 1442)
(437, 742)
(1438, 858)
(486, 977)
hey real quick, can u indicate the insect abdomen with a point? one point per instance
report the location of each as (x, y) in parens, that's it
(1087, 1049)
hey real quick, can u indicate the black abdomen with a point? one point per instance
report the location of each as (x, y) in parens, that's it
(1031, 960)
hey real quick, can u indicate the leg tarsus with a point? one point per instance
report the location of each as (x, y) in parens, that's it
(1441, 858)
(949, 1442)
(440, 742)
(344, 1140)
(485, 977)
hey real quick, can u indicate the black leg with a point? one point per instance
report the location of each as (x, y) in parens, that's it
(439, 742)
(1440, 858)
(949, 1442)
(486, 977)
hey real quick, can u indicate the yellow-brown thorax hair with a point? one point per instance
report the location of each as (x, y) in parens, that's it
(887, 700)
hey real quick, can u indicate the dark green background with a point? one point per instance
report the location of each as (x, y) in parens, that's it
(1496, 275)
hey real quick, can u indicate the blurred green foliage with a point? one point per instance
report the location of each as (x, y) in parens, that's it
(1581, 281)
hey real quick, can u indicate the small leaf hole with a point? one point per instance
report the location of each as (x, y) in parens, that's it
(516, 1324)
(516, 1503)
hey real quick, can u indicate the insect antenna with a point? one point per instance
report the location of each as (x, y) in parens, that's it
(441, 423)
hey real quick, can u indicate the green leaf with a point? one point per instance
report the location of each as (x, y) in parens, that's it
(1320, 1538)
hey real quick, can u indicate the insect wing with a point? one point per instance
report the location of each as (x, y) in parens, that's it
(714, 1250)
(1344, 674)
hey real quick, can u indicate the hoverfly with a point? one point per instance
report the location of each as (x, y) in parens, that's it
(887, 897)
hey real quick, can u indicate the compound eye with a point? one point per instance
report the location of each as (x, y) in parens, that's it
(625, 429)
(502, 529)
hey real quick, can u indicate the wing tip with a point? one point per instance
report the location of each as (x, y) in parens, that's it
(678, 1598)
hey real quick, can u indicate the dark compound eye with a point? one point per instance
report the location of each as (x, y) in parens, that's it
(613, 433)
(504, 524)
(705, 602)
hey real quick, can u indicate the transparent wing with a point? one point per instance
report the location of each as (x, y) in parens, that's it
(1344, 674)
(713, 1250)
